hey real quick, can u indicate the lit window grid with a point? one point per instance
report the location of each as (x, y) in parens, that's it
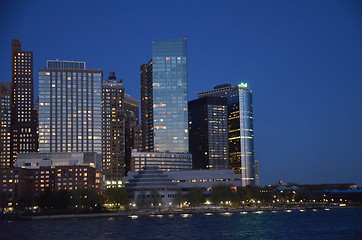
(5, 121)
(113, 124)
(69, 111)
(165, 161)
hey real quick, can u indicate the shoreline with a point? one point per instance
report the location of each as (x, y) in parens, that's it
(211, 210)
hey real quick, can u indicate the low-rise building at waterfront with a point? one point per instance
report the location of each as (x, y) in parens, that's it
(22, 186)
(151, 187)
(205, 179)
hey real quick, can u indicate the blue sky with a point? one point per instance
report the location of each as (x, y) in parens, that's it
(302, 59)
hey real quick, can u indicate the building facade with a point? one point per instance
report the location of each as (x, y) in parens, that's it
(5, 123)
(205, 179)
(208, 129)
(166, 161)
(23, 135)
(70, 117)
(23, 186)
(113, 128)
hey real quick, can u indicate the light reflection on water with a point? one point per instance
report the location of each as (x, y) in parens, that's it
(333, 224)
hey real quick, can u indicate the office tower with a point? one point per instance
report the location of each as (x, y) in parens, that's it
(23, 135)
(241, 134)
(5, 122)
(208, 133)
(164, 98)
(113, 128)
(132, 129)
(240, 130)
(70, 108)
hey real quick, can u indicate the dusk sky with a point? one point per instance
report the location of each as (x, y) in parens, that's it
(301, 59)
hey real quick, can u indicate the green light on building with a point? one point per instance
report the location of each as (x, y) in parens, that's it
(243, 85)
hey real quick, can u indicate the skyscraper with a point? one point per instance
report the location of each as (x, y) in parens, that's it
(208, 122)
(113, 128)
(5, 123)
(23, 135)
(240, 130)
(168, 91)
(164, 111)
(241, 135)
(70, 108)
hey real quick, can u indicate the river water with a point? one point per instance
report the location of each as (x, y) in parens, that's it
(321, 224)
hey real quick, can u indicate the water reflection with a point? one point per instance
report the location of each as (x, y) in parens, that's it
(332, 224)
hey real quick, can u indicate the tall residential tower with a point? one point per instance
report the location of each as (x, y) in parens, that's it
(70, 108)
(23, 135)
(113, 128)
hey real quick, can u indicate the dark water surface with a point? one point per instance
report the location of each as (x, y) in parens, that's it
(321, 224)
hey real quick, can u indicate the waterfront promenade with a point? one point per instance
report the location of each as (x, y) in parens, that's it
(196, 210)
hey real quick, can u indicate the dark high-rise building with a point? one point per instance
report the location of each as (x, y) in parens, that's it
(208, 131)
(113, 129)
(23, 135)
(70, 117)
(5, 123)
(240, 130)
(147, 106)
(132, 129)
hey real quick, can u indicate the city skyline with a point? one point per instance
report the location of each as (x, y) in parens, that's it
(303, 67)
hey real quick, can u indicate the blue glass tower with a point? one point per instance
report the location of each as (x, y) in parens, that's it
(169, 96)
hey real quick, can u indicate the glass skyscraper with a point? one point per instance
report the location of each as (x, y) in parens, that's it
(166, 100)
(70, 118)
(241, 135)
